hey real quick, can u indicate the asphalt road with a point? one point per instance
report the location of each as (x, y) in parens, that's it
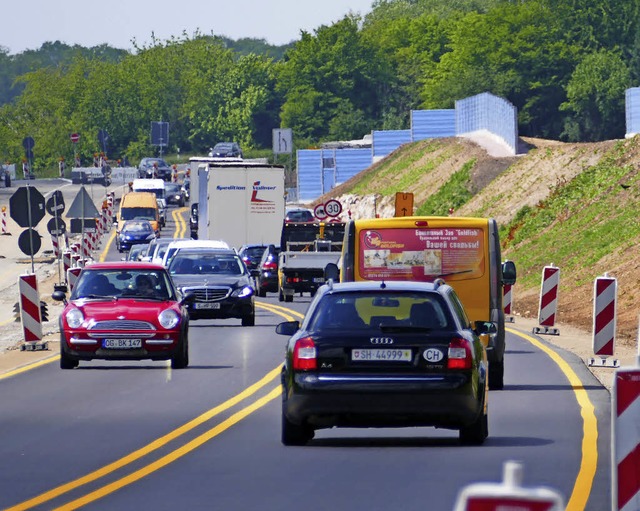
(114, 435)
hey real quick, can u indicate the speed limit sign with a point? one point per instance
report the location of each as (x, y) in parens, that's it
(333, 207)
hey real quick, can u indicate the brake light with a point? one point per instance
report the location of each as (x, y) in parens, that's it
(304, 355)
(270, 266)
(294, 280)
(459, 356)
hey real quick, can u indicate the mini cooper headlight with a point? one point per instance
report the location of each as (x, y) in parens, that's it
(243, 292)
(75, 318)
(168, 318)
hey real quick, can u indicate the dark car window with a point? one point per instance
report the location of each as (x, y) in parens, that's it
(206, 264)
(122, 284)
(132, 213)
(373, 309)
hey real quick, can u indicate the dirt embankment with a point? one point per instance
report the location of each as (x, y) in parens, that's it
(501, 187)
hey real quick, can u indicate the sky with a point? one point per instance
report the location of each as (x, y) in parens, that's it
(27, 24)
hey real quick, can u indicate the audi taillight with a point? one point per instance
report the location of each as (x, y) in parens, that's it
(304, 355)
(459, 355)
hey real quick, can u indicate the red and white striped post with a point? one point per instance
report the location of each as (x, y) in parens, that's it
(605, 290)
(72, 277)
(56, 247)
(548, 301)
(625, 411)
(30, 308)
(507, 302)
(508, 495)
(4, 221)
(66, 260)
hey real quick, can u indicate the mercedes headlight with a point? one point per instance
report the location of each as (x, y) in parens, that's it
(75, 318)
(168, 318)
(243, 292)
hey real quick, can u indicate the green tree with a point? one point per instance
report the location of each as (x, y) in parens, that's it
(596, 97)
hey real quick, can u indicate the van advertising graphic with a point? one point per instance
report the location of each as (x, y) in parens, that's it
(421, 254)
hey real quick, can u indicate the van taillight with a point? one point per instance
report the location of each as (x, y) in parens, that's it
(459, 356)
(304, 355)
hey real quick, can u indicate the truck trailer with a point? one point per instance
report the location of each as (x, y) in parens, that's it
(240, 202)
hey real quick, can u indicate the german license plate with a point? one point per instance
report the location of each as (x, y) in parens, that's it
(205, 305)
(122, 344)
(381, 355)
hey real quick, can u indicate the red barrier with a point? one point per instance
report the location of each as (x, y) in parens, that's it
(30, 308)
(626, 439)
(548, 301)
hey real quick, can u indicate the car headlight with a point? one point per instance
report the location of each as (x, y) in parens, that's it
(168, 318)
(75, 318)
(243, 292)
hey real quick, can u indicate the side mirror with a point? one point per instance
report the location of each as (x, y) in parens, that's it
(509, 273)
(485, 327)
(288, 327)
(331, 271)
(59, 296)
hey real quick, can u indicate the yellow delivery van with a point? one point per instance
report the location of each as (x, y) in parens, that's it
(138, 206)
(465, 252)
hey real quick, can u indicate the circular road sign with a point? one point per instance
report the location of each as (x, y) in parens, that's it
(319, 212)
(333, 207)
(23, 196)
(55, 204)
(56, 226)
(29, 248)
(75, 137)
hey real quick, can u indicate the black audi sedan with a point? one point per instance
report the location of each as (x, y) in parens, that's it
(385, 354)
(220, 282)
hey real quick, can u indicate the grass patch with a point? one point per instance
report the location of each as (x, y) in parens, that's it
(453, 194)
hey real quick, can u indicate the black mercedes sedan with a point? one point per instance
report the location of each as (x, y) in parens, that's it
(219, 280)
(385, 354)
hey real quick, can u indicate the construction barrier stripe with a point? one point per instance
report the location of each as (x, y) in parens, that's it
(604, 315)
(627, 439)
(507, 298)
(30, 308)
(549, 295)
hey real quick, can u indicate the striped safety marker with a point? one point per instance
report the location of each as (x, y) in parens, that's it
(605, 290)
(4, 220)
(66, 260)
(625, 412)
(56, 247)
(507, 301)
(72, 277)
(549, 296)
(30, 308)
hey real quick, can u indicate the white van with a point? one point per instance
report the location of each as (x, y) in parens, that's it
(175, 246)
(155, 186)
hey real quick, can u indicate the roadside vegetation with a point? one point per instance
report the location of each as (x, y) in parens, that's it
(564, 66)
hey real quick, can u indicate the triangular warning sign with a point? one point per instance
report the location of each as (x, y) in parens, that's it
(83, 206)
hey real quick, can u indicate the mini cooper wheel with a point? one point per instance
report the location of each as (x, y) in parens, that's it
(67, 362)
(181, 359)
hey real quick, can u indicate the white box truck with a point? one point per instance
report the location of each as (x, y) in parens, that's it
(242, 202)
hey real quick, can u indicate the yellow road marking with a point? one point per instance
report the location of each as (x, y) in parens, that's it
(162, 441)
(172, 456)
(149, 448)
(589, 461)
(30, 366)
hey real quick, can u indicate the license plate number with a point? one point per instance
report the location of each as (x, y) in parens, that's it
(318, 280)
(122, 344)
(381, 355)
(203, 305)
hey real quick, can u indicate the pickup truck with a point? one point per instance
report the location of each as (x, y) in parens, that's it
(306, 249)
